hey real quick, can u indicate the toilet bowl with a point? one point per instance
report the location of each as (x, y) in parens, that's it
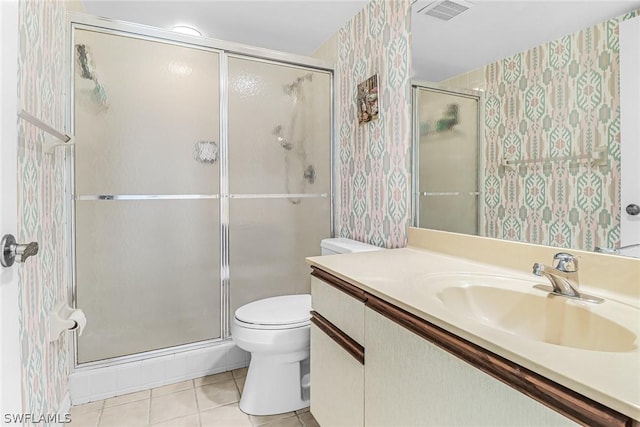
(276, 333)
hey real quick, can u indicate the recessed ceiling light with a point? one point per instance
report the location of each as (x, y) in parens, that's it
(185, 29)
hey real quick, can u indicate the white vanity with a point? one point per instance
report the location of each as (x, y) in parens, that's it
(418, 337)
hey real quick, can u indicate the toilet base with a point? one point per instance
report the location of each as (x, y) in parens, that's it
(274, 383)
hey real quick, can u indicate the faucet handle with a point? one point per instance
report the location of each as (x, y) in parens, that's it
(538, 269)
(566, 262)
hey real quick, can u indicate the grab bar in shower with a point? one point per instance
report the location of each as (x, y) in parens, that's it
(48, 145)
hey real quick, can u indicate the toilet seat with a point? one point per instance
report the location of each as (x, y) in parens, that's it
(270, 327)
(284, 312)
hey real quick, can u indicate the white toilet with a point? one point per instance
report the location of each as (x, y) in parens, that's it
(276, 333)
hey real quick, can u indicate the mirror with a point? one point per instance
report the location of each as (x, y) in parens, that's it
(549, 134)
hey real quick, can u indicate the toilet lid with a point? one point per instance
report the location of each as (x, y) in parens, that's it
(284, 310)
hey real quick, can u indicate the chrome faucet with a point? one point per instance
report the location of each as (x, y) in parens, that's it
(563, 277)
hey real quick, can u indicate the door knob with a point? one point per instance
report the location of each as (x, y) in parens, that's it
(633, 209)
(12, 251)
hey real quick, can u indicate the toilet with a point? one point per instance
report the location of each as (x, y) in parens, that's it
(276, 333)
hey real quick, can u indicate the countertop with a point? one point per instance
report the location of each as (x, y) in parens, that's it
(400, 277)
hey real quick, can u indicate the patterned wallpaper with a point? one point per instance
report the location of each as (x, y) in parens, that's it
(558, 99)
(374, 159)
(43, 278)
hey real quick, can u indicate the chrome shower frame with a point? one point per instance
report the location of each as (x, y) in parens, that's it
(225, 50)
(478, 95)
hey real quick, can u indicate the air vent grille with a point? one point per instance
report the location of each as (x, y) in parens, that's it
(445, 9)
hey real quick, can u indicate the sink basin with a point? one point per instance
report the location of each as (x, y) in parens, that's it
(512, 306)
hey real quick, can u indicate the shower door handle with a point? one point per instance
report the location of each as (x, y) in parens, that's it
(13, 251)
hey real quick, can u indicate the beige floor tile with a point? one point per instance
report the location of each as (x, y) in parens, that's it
(188, 421)
(86, 407)
(127, 415)
(302, 411)
(211, 379)
(84, 418)
(240, 384)
(308, 420)
(173, 405)
(284, 422)
(240, 373)
(218, 394)
(225, 416)
(126, 398)
(258, 420)
(172, 388)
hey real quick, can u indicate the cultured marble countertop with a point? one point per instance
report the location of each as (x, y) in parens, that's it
(401, 276)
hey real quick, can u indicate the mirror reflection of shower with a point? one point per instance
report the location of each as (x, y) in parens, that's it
(293, 137)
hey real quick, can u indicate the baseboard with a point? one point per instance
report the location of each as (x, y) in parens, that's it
(88, 385)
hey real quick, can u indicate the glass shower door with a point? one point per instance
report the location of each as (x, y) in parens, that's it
(279, 176)
(146, 194)
(446, 160)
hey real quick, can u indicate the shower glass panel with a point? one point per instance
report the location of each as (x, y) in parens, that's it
(279, 132)
(279, 176)
(147, 114)
(146, 119)
(447, 160)
(147, 278)
(270, 239)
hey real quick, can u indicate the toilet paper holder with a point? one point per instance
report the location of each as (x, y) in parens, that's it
(60, 320)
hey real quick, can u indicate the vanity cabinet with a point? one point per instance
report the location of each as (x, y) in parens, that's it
(375, 364)
(411, 382)
(342, 306)
(337, 355)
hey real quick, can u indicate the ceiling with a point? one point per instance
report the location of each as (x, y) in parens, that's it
(488, 31)
(294, 26)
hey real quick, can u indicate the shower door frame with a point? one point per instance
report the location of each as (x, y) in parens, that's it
(225, 50)
(478, 95)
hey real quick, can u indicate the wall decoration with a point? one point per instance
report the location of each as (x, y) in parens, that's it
(368, 107)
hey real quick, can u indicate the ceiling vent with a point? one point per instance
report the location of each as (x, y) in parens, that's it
(445, 9)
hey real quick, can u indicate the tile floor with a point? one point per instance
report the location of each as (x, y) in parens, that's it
(203, 402)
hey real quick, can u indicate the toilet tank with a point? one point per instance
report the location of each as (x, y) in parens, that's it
(342, 245)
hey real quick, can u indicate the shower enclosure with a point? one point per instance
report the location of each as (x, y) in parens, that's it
(446, 135)
(201, 181)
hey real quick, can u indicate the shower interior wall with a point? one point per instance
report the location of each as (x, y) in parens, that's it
(272, 192)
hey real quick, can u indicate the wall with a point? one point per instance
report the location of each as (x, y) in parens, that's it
(373, 196)
(558, 99)
(10, 397)
(43, 279)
